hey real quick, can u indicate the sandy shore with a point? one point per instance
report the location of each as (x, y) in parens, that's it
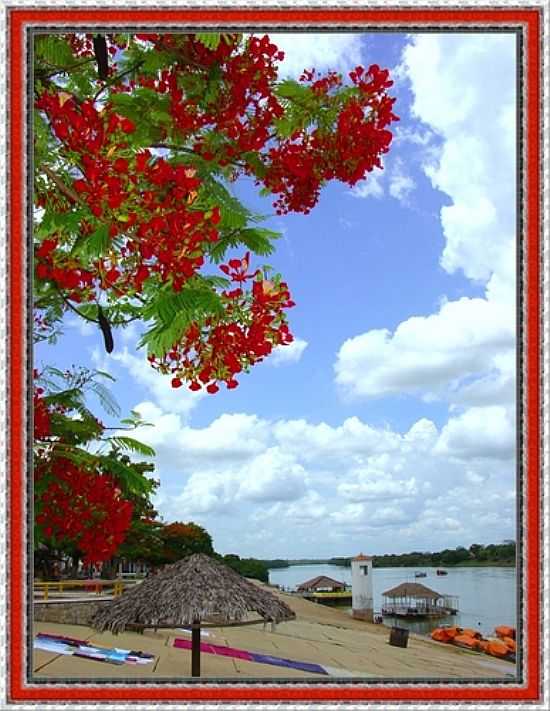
(319, 634)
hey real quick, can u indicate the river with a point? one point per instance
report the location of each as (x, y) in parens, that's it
(486, 595)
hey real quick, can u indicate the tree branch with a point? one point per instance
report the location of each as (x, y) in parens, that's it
(62, 70)
(115, 79)
(65, 189)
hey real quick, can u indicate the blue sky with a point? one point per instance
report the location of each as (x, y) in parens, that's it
(396, 406)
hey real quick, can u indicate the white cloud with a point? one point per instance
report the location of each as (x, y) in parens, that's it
(241, 470)
(85, 328)
(465, 338)
(180, 400)
(274, 475)
(314, 50)
(393, 180)
(284, 355)
(486, 432)
(401, 184)
(464, 90)
(464, 94)
(372, 186)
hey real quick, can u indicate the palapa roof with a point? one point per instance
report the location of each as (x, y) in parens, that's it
(321, 581)
(362, 556)
(413, 590)
(195, 588)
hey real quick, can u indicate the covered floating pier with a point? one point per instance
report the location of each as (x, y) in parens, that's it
(415, 600)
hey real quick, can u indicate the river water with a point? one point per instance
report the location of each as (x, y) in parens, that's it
(486, 596)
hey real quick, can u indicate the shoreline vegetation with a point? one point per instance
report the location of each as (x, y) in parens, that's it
(477, 555)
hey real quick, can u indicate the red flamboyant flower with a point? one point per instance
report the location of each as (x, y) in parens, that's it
(149, 205)
(83, 508)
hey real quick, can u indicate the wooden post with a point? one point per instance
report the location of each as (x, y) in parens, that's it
(196, 648)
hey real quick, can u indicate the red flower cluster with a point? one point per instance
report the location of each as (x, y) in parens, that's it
(85, 509)
(243, 107)
(64, 270)
(253, 324)
(225, 105)
(147, 202)
(243, 112)
(298, 166)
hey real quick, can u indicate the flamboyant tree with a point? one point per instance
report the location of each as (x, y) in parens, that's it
(138, 140)
(86, 488)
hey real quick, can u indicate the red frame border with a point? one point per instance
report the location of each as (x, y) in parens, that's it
(530, 19)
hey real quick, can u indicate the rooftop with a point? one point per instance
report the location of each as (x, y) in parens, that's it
(321, 581)
(413, 590)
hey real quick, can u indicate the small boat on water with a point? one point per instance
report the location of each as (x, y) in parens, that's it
(441, 572)
(419, 574)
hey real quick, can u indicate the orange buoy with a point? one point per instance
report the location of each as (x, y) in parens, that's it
(510, 643)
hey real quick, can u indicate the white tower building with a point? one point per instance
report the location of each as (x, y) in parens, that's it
(361, 587)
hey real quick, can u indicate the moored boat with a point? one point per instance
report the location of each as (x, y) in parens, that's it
(441, 572)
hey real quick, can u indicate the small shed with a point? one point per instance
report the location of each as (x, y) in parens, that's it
(417, 600)
(322, 583)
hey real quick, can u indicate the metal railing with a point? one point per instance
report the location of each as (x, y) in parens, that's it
(96, 586)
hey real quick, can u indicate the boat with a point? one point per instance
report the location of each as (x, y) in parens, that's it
(420, 575)
(441, 572)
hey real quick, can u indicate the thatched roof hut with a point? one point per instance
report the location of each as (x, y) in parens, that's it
(321, 582)
(412, 590)
(195, 589)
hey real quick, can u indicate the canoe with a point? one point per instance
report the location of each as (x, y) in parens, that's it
(471, 633)
(466, 641)
(497, 648)
(445, 634)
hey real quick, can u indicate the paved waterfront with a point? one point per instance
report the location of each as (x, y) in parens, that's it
(319, 634)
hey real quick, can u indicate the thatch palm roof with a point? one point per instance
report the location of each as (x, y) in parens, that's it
(412, 590)
(321, 581)
(195, 589)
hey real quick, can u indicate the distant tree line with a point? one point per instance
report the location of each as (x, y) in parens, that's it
(477, 554)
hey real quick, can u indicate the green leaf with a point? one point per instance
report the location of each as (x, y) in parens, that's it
(107, 401)
(126, 105)
(94, 245)
(130, 479)
(54, 50)
(133, 445)
(210, 40)
(162, 117)
(258, 240)
(284, 127)
(172, 313)
(290, 89)
(155, 60)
